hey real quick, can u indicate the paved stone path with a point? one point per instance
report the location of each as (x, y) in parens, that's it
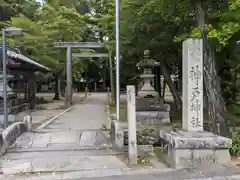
(73, 142)
(44, 112)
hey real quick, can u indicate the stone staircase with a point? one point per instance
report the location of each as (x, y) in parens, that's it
(70, 153)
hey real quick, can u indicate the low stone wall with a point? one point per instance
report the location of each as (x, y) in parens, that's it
(119, 134)
(12, 132)
(144, 136)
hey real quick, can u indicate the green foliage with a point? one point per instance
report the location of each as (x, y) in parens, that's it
(235, 110)
(43, 25)
(157, 25)
(235, 150)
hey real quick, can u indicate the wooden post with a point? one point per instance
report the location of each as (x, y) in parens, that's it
(132, 134)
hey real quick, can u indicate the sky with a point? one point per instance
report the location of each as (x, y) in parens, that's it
(41, 1)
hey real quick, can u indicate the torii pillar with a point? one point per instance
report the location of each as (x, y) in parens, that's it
(69, 46)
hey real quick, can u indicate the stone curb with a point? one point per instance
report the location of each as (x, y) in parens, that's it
(53, 118)
(73, 175)
(57, 116)
(118, 174)
(91, 173)
(13, 131)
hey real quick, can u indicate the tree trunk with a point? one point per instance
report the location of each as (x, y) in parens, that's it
(164, 89)
(86, 79)
(105, 74)
(112, 79)
(157, 81)
(212, 86)
(171, 86)
(56, 96)
(25, 90)
(62, 83)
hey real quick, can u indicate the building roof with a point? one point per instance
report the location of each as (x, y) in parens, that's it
(25, 59)
(16, 58)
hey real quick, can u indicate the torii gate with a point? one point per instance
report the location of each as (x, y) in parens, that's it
(69, 46)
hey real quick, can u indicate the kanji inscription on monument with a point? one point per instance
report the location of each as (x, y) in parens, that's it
(193, 85)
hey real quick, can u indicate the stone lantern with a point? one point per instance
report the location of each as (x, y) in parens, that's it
(10, 93)
(147, 90)
(150, 108)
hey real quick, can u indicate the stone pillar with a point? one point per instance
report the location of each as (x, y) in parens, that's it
(69, 77)
(192, 119)
(132, 134)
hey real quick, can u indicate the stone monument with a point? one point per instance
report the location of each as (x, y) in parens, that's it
(191, 146)
(149, 107)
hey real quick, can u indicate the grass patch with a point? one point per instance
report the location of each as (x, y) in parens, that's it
(159, 154)
(122, 113)
(143, 160)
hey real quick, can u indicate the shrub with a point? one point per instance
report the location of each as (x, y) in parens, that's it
(235, 150)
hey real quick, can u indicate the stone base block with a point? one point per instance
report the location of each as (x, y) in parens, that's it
(152, 117)
(147, 93)
(190, 150)
(151, 104)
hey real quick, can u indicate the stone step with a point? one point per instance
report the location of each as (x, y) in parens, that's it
(60, 163)
(60, 147)
(16, 155)
(46, 130)
(129, 174)
(61, 139)
(67, 175)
